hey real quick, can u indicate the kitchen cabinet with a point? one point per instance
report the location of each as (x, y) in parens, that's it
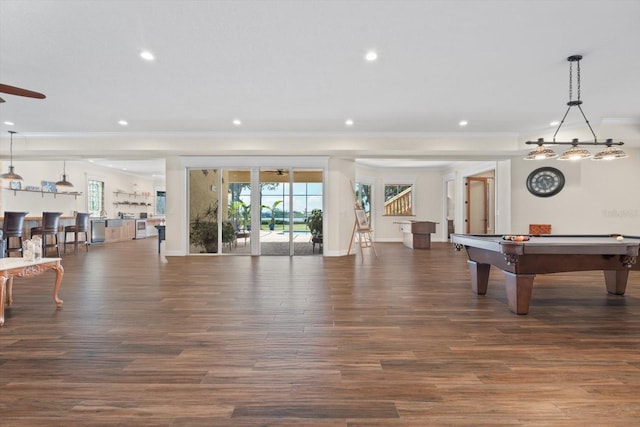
(129, 230)
(118, 230)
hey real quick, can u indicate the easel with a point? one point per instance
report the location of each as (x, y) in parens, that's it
(361, 228)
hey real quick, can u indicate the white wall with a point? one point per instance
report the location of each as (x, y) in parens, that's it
(428, 199)
(598, 197)
(339, 211)
(502, 196)
(176, 234)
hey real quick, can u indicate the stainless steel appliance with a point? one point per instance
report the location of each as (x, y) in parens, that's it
(98, 232)
(141, 228)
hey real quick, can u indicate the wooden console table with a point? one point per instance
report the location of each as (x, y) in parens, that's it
(19, 267)
(417, 234)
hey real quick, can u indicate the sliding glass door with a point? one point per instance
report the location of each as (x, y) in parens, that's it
(290, 199)
(308, 216)
(237, 184)
(284, 217)
(204, 205)
(275, 221)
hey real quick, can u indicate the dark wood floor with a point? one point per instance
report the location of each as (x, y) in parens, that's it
(309, 341)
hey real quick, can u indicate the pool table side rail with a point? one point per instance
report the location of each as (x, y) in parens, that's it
(561, 244)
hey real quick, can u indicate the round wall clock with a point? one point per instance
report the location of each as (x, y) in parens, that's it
(545, 182)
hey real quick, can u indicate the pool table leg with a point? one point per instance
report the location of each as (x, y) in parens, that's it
(519, 289)
(479, 277)
(616, 281)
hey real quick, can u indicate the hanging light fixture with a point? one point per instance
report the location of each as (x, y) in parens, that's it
(576, 152)
(541, 152)
(11, 174)
(64, 182)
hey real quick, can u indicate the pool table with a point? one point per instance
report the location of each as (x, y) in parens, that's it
(522, 260)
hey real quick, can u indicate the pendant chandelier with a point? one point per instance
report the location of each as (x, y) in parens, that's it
(577, 151)
(11, 174)
(64, 182)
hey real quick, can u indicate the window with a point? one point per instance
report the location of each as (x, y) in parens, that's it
(398, 199)
(363, 196)
(95, 197)
(161, 202)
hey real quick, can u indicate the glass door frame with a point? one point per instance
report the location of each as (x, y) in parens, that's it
(254, 163)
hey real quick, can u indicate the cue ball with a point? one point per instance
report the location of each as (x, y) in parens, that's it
(619, 238)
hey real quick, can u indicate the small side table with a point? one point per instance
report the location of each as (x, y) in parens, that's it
(161, 235)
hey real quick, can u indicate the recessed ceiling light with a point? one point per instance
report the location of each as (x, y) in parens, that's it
(348, 122)
(554, 123)
(147, 56)
(371, 56)
(8, 123)
(463, 123)
(123, 122)
(237, 122)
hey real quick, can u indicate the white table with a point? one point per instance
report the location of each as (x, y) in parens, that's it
(19, 267)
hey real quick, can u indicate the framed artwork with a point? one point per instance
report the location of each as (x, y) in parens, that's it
(48, 186)
(361, 217)
(15, 185)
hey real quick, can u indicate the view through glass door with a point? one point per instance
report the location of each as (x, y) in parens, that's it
(291, 202)
(284, 218)
(204, 236)
(274, 211)
(237, 183)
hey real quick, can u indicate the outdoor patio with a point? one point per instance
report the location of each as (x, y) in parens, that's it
(277, 243)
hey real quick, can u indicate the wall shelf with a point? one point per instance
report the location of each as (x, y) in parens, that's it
(55, 193)
(131, 194)
(129, 202)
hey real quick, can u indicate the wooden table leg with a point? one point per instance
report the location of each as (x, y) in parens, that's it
(9, 290)
(479, 277)
(3, 281)
(519, 289)
(59, 273)
(616, 281)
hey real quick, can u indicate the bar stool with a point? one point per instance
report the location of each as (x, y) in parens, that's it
(12, 228)
(3, 245)
(50, 224)
(81, 226)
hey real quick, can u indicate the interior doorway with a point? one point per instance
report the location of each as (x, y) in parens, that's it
(480, 203)
(450, 205)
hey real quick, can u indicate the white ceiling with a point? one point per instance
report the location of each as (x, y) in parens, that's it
(294, 70)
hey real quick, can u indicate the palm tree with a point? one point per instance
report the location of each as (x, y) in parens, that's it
(272, 208)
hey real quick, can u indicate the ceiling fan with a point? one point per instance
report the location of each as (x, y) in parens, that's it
(278, 172)
(277, 175)
(13, 90)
